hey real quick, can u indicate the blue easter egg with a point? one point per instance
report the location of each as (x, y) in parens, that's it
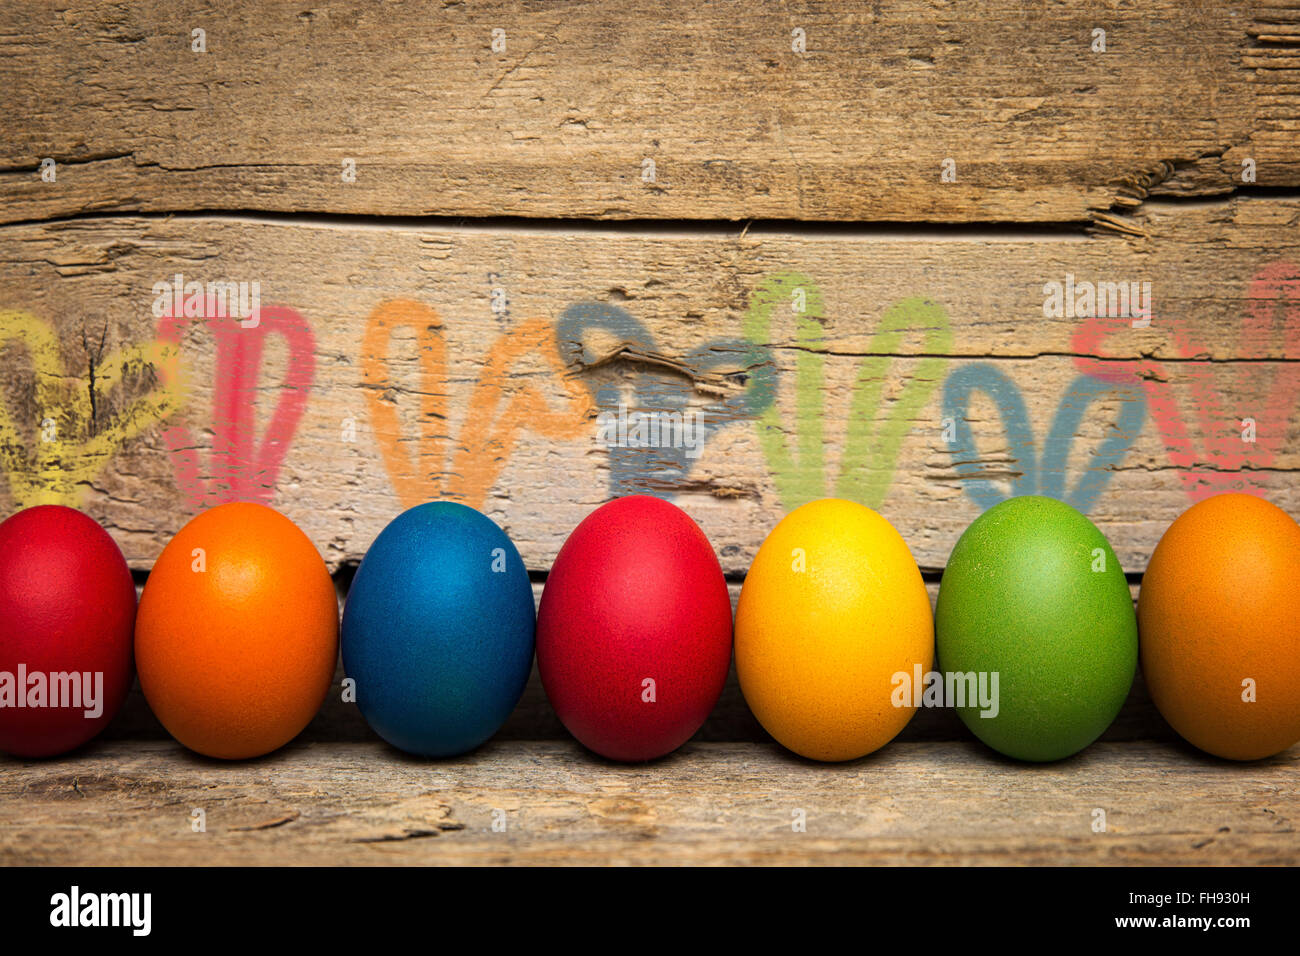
(438, 630)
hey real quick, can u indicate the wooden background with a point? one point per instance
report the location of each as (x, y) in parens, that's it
(463, 259)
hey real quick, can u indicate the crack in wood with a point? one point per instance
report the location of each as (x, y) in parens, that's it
(279, 821)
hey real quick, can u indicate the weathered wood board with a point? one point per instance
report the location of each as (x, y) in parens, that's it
(559, 113)
(918, 803)
(383, 375)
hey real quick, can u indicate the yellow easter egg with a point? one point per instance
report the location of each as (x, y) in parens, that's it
(832, 612)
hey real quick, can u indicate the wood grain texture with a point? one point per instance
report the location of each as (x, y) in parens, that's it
(359, 804)
(500, 408)
(558, 124)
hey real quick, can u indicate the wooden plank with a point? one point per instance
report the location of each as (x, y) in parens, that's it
(394, 380)
(560, 121)
(921, 803)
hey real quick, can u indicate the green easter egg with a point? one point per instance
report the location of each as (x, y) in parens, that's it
(1034, 594)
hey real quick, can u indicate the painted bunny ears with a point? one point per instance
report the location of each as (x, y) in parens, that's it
(532, 380)
(54, 446)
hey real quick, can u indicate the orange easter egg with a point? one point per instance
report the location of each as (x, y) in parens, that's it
(1219, 630)
(236, 637)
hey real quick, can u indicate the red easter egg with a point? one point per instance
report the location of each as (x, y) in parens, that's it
(634, 629)
(67, 613)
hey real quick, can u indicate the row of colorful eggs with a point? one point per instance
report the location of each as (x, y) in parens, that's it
(237, 634)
